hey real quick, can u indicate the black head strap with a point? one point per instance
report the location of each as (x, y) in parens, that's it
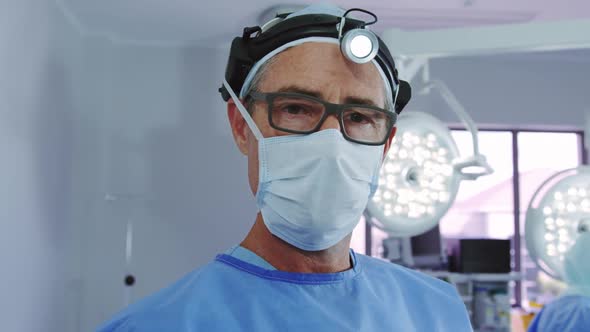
(254, 44)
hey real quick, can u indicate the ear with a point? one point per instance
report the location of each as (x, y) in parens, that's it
(239, 127)
(388, 143)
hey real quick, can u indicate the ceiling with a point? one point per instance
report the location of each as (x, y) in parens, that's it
(216, 22)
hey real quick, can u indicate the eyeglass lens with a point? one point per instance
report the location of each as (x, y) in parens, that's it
(300, 114)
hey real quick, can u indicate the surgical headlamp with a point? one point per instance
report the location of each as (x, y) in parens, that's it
(357, 43)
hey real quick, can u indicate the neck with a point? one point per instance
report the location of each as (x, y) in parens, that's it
(285, 257)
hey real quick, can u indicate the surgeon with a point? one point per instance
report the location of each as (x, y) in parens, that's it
(312, 101)
(571, 311)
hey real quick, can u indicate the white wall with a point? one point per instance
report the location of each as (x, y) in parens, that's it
(538, 90)
(152, 131)
(36, 125)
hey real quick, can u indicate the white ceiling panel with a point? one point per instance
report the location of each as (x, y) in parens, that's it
(215, 22)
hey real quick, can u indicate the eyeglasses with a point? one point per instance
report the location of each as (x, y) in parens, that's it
(301, 114)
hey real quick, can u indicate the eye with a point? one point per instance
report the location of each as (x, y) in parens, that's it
(358, 117)
(298, 110)
(293, 109)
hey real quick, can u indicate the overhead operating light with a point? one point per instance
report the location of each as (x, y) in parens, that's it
(421, 173)
(557, 214)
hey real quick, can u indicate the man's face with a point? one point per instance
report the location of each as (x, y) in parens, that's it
(318, 69)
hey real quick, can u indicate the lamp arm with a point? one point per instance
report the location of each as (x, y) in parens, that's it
(477, 160)
(458, 109)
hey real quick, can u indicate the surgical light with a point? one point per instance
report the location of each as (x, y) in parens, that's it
(557, 214)
(359, 45)
(421, 173)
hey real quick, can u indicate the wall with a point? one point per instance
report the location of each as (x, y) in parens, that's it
(534, 90)
(153, 136)
(35, 153)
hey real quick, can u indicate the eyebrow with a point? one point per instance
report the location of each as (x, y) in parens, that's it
(316, 94)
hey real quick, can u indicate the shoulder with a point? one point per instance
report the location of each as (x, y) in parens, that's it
(380, 268)
(570, 305)
(169, 306)
(416, 284)
(567, 313)
(581, 301)
(424, 297)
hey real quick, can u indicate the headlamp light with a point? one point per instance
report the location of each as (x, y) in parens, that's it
(359, 45)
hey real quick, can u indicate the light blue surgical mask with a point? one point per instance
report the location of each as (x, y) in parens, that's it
(312, 189)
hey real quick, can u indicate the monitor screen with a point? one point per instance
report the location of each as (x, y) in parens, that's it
(427, 244)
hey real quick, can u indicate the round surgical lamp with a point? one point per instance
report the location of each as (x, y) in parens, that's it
(421, 173)
(557, 214)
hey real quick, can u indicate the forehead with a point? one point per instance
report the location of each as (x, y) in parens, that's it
(321, 67)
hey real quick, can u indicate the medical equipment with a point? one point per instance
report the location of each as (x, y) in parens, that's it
(491, 307)
(421, 173)
(418, 183)
(357, 43)
(313, 188)
(558, 213)
(428, 250)
(484, 256)
(557, 234)
(486, 296)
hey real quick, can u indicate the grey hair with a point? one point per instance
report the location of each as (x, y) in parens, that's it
(254, 85)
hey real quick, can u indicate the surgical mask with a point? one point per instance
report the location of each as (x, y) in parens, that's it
(313, 189)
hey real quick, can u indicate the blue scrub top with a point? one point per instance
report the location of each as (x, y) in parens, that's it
(566, 314)
(249, 256)
(233, 294)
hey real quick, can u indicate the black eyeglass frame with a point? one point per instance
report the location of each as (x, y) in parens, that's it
(329, 109)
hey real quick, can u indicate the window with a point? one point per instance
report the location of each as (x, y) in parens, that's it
(487, 208)
(483, 208)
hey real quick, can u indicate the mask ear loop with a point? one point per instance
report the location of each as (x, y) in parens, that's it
(393, 111)
(395, 98)
(342, 20)
(244, 112)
